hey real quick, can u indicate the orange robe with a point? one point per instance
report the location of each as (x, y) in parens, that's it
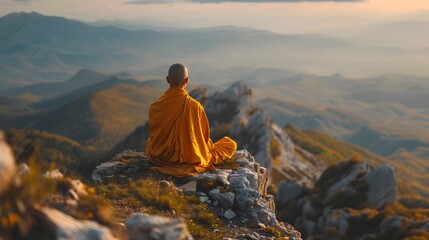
(179, 141)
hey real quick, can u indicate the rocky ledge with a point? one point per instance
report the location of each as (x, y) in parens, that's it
(349, 200)
(238, 195)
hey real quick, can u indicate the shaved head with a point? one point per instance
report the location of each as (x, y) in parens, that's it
(177, 75)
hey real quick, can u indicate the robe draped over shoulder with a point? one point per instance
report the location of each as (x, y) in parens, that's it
(179, 141)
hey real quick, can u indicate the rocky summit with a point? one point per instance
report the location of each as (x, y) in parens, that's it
(238, 194)
(232, 112)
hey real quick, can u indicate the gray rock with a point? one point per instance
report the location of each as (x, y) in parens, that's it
(7, 164)
(287, 191)
(126, 163)
(207, 181)
(246, 198)
(189, 187)
(204, 199)
(251, 176)
(146, 227)
(337, 219)
(238, 182)
(345, 180)
(225, 199)
(382, 187)
(265, 215)
(426, 227)
(391, 222)
(68, 228)
(229, 214)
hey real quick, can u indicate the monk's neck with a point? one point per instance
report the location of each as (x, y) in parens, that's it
(177, 90)
(183, 87)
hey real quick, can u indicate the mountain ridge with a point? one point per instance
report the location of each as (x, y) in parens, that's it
(60, 46)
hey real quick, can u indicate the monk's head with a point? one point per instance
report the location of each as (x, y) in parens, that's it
(177, 75)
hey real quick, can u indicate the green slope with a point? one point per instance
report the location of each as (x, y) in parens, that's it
(47, 148)
(100, 119)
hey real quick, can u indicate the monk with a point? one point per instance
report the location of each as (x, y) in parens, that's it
(179, 141)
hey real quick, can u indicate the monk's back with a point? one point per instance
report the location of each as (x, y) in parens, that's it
(179, 141)
(164, 118)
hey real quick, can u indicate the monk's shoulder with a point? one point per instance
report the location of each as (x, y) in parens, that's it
(195, 104)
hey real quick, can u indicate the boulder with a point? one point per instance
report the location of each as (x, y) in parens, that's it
(123, 166)
(7, 164)
(68, 228)
(382, 187)
(348, 177)
(146, 227)
(347, 196)
(229, 214)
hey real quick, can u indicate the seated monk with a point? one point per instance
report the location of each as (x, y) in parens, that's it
(179, 141)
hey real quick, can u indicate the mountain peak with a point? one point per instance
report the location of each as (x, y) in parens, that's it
(22, 14)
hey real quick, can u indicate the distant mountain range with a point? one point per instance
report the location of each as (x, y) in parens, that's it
(98, 115)
(49, 90)
(36, 48)
(406, 34)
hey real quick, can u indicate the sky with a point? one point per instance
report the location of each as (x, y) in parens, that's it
(286, 16)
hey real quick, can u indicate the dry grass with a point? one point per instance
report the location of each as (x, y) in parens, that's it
(151, 197)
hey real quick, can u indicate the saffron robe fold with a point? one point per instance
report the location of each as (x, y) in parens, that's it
(179, 141)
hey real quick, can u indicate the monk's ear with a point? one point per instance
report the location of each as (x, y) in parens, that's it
(186, 81)
(166, 78)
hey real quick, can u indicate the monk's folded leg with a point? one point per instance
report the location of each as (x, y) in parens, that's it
(223, 149)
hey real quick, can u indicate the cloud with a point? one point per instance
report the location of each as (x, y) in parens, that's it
(239, 1)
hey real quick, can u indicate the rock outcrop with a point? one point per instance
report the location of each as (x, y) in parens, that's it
(348, 200)
(233, 113)
(238, 194)
(68, 228)
(241, 192)
(123, 167)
